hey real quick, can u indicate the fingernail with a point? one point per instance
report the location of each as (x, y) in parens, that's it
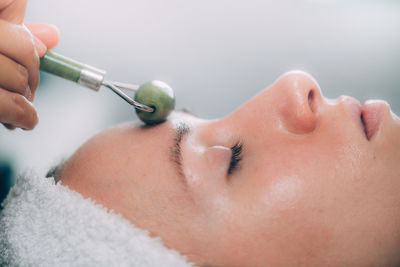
(28, 93)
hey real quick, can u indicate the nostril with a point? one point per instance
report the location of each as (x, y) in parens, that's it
(311, 99)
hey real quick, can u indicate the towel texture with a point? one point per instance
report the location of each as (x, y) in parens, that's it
(47, 224)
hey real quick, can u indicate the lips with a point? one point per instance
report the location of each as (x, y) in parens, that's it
(372, 113)
(369, 116)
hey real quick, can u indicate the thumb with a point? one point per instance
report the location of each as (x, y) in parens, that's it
(46, 36)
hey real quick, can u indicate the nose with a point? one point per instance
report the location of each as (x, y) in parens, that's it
(298, 98)
(294, 101)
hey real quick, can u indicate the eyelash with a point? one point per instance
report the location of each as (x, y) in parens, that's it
(236, 157)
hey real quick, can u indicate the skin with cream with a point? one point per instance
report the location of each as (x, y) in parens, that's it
(317, 181)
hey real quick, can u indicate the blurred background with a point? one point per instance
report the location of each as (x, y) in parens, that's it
(215, 54)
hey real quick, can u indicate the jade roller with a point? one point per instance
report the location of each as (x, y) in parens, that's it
(153, 101)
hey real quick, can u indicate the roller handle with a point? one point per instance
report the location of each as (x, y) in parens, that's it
(72, 70)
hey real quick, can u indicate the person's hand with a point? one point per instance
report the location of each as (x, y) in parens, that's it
(20, 49)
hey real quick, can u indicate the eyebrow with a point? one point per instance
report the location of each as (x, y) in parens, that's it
(181, 130)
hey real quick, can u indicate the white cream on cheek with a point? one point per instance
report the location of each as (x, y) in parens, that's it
(206, 170)
(219, 158)
(204, 165)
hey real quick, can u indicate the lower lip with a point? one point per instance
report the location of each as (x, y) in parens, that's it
(373, 112)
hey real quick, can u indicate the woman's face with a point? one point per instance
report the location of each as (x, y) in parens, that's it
(310, 185)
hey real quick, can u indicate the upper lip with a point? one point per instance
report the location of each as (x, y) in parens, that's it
(355, 109)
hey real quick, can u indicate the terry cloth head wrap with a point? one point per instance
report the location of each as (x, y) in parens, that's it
(47, 224)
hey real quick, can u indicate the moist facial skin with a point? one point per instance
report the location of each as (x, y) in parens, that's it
(310, 188)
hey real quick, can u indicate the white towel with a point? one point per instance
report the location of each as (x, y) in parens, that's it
(47, 224)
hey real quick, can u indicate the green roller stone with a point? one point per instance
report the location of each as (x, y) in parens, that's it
(61, 66)
(157, 95)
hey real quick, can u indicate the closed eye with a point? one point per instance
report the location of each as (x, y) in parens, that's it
(236, 157)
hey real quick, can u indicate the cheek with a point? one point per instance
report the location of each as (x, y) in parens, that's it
(284, 192)
(281, 222)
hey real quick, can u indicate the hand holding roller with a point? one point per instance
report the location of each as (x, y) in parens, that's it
(153, 100)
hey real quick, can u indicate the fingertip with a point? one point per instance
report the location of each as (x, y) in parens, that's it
(48, 34)
(31, 122)
(53, 36)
